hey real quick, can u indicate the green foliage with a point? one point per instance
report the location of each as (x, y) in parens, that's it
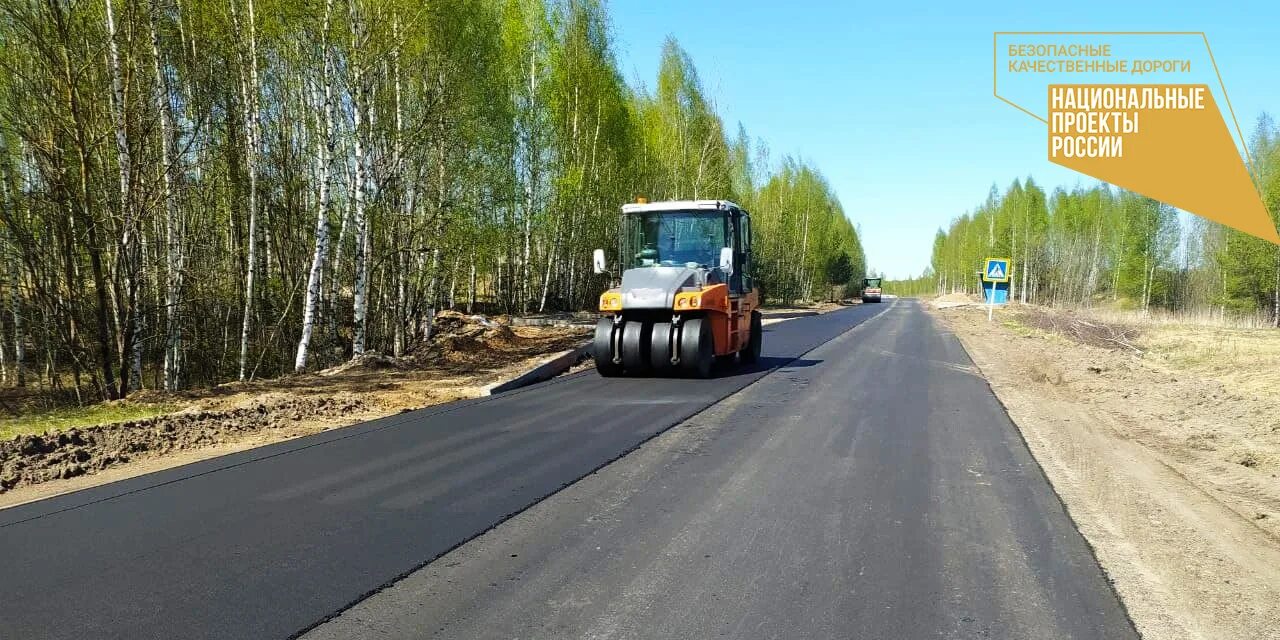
(497, 140)
(63, 419)
(800, 225)
(910, 288)
(839, 270)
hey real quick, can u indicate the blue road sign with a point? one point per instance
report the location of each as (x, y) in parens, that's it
(997, 270)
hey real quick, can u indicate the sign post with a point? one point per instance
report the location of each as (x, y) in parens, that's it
(996, 271)
(991, 303)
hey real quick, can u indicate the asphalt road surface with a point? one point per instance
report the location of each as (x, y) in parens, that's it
(869, 486)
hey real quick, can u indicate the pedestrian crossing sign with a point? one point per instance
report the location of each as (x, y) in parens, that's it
(997, 270)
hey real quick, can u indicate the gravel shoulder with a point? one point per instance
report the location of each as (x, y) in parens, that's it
(1165, 448)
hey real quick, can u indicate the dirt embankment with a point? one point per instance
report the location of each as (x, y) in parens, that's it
(1166, 460)
(465, 355)
(32, 459)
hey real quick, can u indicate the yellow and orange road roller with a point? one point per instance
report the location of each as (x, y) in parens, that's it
(686, 298)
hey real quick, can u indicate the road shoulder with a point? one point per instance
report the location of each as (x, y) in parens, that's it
(1189, 554)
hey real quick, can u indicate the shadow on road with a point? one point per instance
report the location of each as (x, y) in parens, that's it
(783, 315)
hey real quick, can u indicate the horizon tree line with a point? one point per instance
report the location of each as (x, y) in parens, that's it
(1103, 245)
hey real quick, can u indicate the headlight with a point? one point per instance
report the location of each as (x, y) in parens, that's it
(610, 301)
(688, 300)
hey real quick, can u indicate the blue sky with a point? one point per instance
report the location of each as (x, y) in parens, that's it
(892, 100)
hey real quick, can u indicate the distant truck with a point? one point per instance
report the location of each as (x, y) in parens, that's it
(871, 290)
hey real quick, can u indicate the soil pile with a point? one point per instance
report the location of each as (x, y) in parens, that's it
(31, 459)
(476, 341)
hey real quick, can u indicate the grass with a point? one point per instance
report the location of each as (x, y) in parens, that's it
(1023, 330)
(1020, 329)
(67, 418)
(1197, 318)
(1241, 351)
(1247, 360)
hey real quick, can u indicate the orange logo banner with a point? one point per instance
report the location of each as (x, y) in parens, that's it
(1167, 142)
(1167, 138)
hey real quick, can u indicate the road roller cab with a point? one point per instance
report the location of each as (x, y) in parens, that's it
(687, 296)
(871, 290)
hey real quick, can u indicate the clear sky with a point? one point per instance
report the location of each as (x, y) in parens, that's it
(892, 99)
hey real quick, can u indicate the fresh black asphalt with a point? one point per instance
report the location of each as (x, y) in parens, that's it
(874, 489)
(268, 542)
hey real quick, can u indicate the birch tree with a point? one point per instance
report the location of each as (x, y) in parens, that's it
(323, 152)
(249, 90)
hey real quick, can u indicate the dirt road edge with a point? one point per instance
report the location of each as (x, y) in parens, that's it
(1184, 564)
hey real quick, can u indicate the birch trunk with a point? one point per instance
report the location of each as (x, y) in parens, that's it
(1275, 309)
(1146, 282)
(336, 262)
(358, 116)
(127, 316)
(471, 293)
(11, 256)
(406, 195)
(1013, 251)
(18, 357)
(173, 231)
(441, 224)
(401, 305)
(432, 288)
(19, 333)
(532, 160)
(1026, 262)
(804, 249)
(324, 150)
(84, 209)
(249, 105)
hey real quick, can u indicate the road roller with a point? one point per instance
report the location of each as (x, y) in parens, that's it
(686, 297)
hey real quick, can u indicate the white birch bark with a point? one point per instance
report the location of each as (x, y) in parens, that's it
(128, 259)
(19, 331)
(324, 150)
(10, 256)
(1275, 319)
(358, 116)
(335, 263)
(173, 231)
(406, 200)
(532, 160)
(1025, 267)
(471, 293)
(249, 105)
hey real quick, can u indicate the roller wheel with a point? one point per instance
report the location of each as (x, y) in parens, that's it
(697, 348)
(602, 349)
(660, 347)
(752, 352)
(635, 346)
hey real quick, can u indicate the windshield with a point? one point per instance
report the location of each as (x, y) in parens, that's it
(676, 238)
(873, 283)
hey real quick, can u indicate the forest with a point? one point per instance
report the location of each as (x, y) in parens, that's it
(194, 192)
(1096, 245)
